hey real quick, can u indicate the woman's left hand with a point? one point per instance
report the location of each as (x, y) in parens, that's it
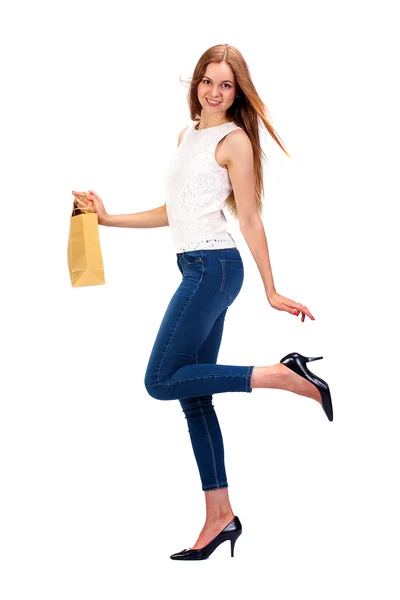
(282, 303)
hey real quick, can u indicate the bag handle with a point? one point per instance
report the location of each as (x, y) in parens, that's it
(79, 211)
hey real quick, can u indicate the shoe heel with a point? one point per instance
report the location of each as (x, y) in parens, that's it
(298, 363)
(311, 358)
(233, 541)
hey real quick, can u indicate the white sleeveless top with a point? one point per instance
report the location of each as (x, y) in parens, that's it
(197, 188)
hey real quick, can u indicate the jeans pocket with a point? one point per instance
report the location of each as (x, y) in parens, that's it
(192, 256)
(232, 275)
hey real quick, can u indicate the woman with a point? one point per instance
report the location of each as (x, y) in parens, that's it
(217, 162)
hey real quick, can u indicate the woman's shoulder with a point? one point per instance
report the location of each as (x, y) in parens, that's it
(237, 146)
(238, 135)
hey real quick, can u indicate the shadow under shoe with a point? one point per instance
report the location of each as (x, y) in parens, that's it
(230, 532)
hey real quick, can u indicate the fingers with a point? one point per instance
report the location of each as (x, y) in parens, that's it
(89, 196)
(82, 199)
(94, 197)
(305, 312)
(301, 308)
(83, 202)
(80, 194)
(296, 308)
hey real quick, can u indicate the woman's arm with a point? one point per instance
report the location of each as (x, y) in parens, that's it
(239, 160)
(254, 234)
(157, 217)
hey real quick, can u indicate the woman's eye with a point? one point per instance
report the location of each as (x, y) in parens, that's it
(207, 80)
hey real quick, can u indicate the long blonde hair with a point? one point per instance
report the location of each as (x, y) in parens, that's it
(244, 111)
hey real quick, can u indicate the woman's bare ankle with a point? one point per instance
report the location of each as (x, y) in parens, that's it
(269, 377)
(219, 521)
(280, 377)
(218, 506)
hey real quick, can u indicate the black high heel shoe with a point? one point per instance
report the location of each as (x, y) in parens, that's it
(230, 532)
(297, 363)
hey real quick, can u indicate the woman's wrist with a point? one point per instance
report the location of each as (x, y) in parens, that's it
(104, 219)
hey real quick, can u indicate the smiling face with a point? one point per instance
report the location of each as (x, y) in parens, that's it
(218, 83)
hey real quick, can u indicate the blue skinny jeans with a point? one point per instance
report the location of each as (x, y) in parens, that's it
(182, 364)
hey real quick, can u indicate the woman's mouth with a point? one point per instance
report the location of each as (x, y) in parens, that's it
(211, 103)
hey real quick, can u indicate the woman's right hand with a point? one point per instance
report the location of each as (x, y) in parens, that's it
(93, 203)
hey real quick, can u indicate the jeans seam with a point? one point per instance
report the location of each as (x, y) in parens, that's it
(218, 483)
(172, 335)
(198, 259)
(184, 308)
(221, 484)
(210, 377)
(222, 261)
(211, 445)
(202, 266)
(248, 379)
(221, 289)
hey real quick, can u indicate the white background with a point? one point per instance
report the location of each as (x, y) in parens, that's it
(99, 484)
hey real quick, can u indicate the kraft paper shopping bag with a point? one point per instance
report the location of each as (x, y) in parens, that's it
(85, 261)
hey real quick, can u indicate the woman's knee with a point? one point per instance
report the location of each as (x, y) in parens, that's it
(157, 390)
